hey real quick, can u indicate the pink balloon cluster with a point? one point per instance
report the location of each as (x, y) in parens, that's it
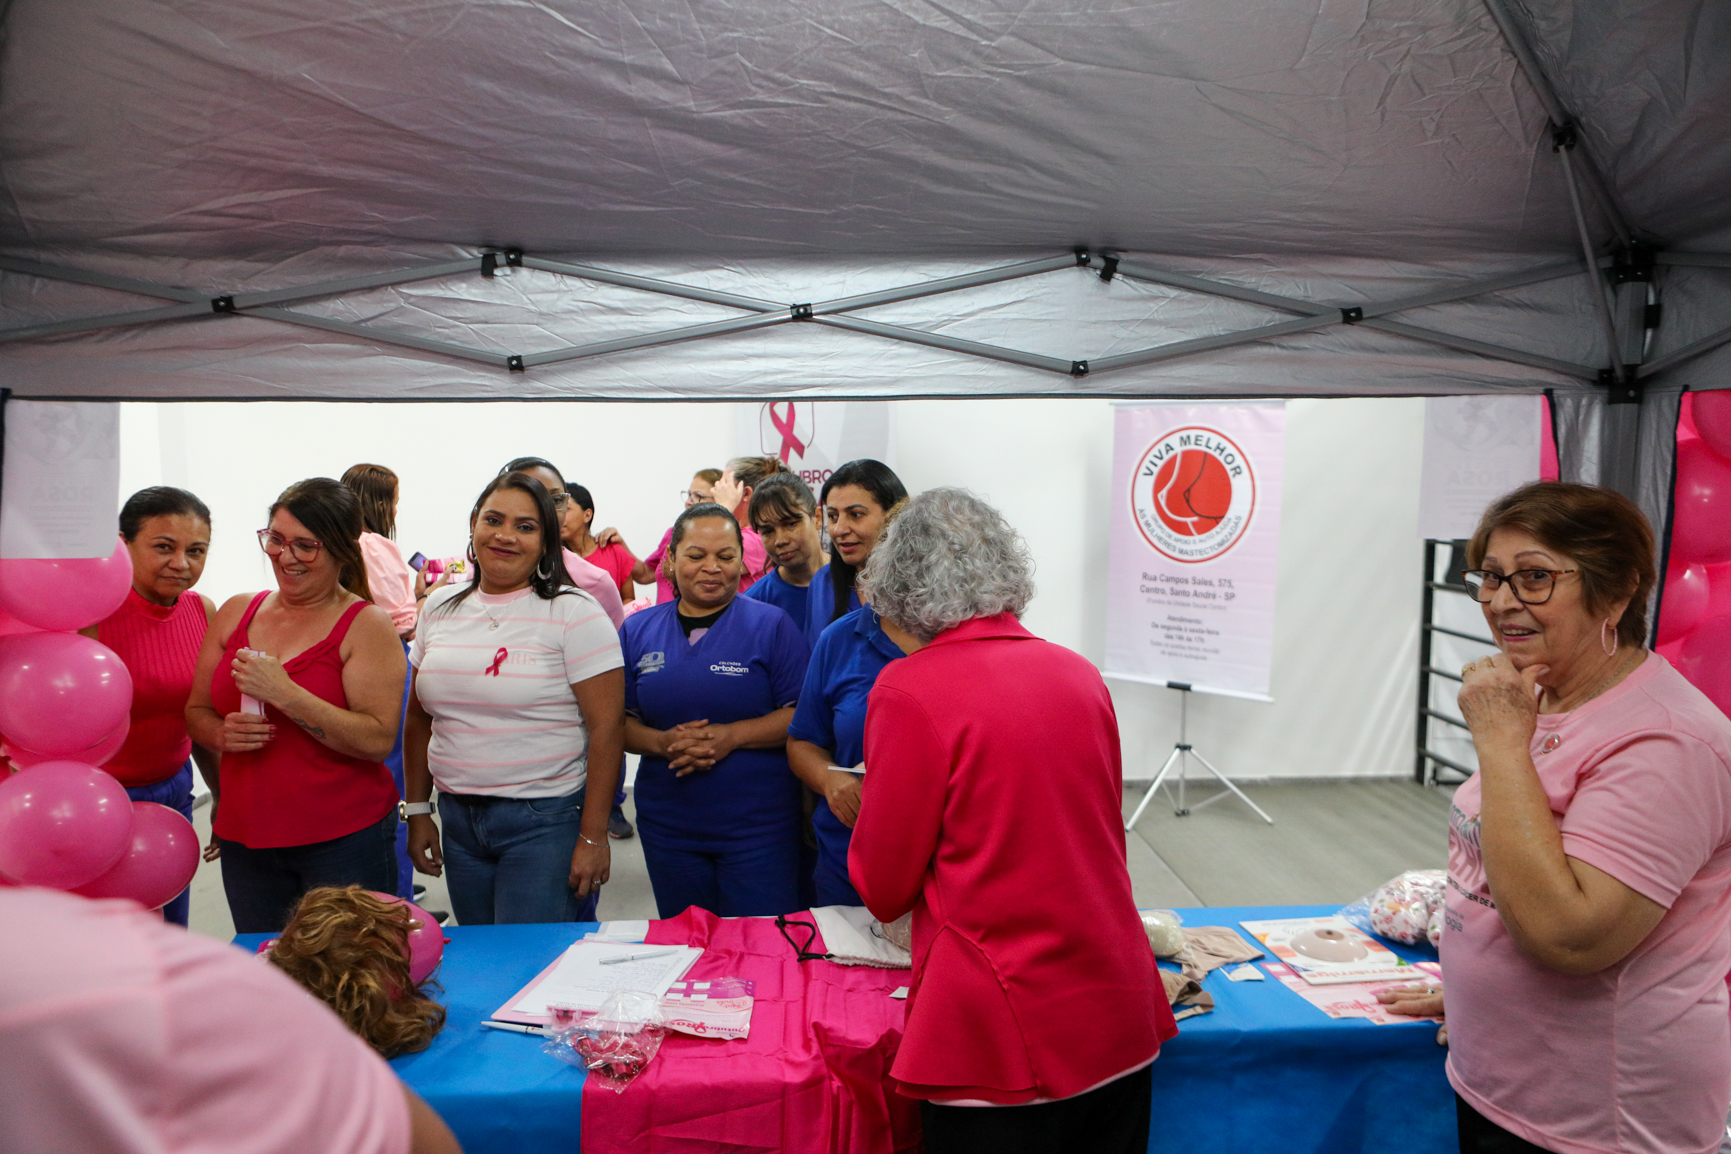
(65, 702)
(1695, 614)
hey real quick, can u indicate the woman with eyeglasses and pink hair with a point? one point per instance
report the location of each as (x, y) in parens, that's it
(300, 689)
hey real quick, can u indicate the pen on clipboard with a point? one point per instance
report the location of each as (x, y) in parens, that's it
(638, 957)
(512, 1027)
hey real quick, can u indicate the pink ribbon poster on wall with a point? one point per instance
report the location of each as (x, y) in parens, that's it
(1195, 544)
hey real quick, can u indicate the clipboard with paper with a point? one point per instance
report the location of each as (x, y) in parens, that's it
(588, 971)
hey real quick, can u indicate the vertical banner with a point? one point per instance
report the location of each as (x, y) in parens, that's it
(60, 490)
(1475, 450)
(814, 437)
(1195, 541)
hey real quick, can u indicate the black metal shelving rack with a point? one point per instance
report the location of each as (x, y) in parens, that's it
(1429, 764)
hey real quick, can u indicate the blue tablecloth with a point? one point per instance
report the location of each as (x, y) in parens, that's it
(1264, 1072)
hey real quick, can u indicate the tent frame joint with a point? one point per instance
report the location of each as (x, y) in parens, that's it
(222, 304)
(1078, 369)
(1624, 387)
(1108, 268)
(799, 312)
(1352, 315)
(514, 363)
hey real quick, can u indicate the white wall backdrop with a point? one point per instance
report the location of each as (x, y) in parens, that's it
(1346, 617)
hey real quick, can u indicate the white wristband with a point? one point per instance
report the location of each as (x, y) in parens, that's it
(417, 808)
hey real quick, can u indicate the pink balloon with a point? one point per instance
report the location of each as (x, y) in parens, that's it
(1701, 517)
(1713, 419)
(1687, 595)
(1705, 659)
(69, 593)
(10, 625)
(157, 865)
(426, 940)
(60, 692)
(62, 824)
(98, 754)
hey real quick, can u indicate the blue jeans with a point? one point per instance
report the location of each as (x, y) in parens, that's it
(265, 885)
(176, 793)
(508, 860)
(746, 878)
(394, 763)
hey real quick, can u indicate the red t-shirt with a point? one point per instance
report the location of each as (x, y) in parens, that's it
(159, 646)
(617, 560)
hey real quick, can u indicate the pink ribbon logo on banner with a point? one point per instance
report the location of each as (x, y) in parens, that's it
(784, 426)
(498, 660)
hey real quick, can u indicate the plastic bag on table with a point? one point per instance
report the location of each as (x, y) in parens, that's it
(1165, 932)
(712, 1008)
(1400, 909)
(615, 1044)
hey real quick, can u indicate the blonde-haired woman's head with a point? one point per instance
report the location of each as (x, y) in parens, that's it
(350, 949)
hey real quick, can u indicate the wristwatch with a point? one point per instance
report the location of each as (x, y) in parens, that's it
(408, 809)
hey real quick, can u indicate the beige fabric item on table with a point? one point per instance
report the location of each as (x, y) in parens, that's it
(1186, 996)
(1207, 948)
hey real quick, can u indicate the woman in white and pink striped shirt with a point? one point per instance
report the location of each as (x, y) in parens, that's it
(516, 713)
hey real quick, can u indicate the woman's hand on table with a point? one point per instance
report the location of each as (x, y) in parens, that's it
(1499, 702)
(424, 852)
(245, 732)
(591, 865)
(1421, 1001)
(841, 792)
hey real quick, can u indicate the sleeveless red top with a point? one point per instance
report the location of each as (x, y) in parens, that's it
(296, 790)
(159, 646)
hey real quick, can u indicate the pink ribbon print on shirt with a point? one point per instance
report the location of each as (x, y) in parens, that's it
(784, 426)
(498, 660)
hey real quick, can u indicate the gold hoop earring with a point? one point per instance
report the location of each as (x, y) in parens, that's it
(1611, 643)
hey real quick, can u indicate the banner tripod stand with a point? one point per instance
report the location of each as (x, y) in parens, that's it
(1181, 754)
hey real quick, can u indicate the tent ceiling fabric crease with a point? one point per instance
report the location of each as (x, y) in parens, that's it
(1339, 153)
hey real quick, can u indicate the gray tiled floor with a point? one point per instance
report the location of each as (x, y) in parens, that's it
(1332, 841)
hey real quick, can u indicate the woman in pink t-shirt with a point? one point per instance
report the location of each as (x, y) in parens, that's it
(1588, 924)
(614, 557)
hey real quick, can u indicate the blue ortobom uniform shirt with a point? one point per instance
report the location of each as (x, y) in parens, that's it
(750, 663)
(832, 710)
(820, 604)
(790, 599)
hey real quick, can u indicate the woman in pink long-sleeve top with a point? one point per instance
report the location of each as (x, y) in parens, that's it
(991, 809)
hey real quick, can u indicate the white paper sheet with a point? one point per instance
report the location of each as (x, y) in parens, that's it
(580, 979)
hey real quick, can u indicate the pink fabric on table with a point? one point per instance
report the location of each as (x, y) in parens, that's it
(756, 563)
(390, 580)
(598, 583)
(120, 1033)
(813, 1075)
(1637, 1057)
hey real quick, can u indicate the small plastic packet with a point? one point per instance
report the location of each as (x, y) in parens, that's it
(711, 1008)
(614, 1045)
(1400, 909)
(1165, 933)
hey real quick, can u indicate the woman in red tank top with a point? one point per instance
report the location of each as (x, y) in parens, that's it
(157, 632)
(301, 690)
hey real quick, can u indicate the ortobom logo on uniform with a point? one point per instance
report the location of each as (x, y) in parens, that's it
(730, 669)
(1192, 494)
(650, 662)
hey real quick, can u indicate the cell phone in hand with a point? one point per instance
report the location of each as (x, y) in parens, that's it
(418, 562)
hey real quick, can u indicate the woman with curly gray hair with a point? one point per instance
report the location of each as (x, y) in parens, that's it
(992, 812)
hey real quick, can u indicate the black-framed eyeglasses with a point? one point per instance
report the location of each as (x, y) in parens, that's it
(301, 548)
(1530, 586)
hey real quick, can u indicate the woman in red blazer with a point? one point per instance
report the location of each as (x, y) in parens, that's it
(992, 810)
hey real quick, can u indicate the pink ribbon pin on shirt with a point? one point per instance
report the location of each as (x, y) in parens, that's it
(498, 660)
(785, 428)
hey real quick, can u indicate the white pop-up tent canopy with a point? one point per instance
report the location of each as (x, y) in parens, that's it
(486, 199)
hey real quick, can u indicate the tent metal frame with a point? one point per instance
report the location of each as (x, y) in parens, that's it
(1308, 315)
